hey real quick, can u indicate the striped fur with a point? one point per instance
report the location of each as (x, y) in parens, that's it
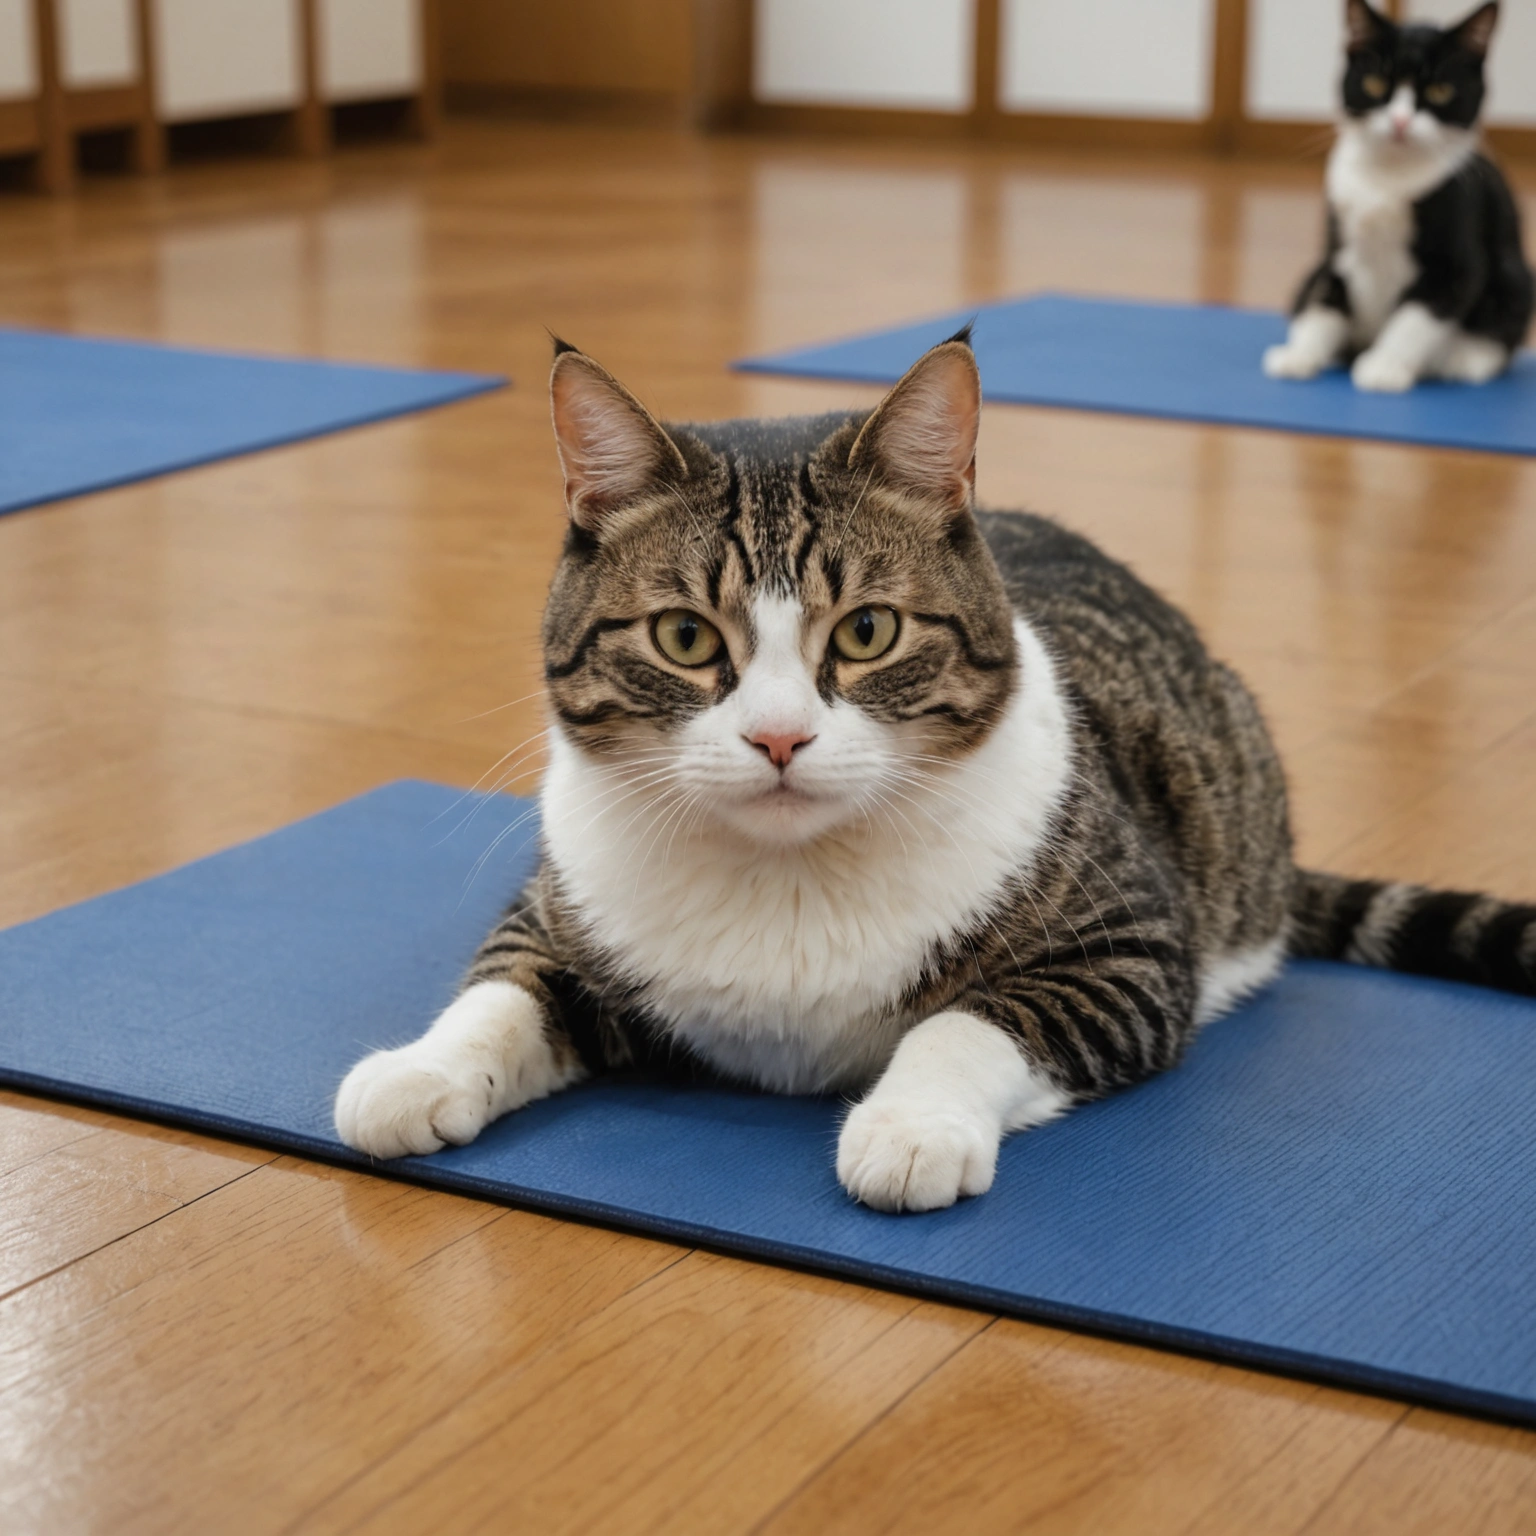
(1172, 847)
(1045, 811)
(1456, 935)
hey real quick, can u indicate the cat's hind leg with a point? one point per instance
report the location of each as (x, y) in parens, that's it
(487, 1053)
(1472, 359)
(1409, 348)
(1316, 341)
(930, 1129)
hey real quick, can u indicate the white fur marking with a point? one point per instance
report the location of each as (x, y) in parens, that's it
(485, 1054)
(1410, 345)
(1315, 340)
(1470, 359)
(1228, 979)
(930, 1129)
(775, 933)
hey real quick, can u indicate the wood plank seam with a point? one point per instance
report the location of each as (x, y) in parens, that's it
(143, 1226)
(816, 1473)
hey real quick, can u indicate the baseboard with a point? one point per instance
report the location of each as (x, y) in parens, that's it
(658, 109)
(854, 122)
(113, 106)
(21, 127)
(1155, 135)
(1283, 140)
(1517, 143)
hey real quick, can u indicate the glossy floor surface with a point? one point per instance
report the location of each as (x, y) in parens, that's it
(199, 1336)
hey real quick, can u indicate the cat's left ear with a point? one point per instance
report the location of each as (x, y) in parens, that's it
(922, 436)
(1476, 31)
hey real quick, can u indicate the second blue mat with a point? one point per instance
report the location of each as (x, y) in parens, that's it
(1340, 1180)
(79, 414)
(1189, 362)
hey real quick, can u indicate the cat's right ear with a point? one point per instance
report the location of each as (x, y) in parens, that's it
(612, 449)
(1362, 25)
(922, 436)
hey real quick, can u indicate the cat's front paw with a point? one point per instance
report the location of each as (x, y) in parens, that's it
(487, 1053)
(1473, 360)
(1381, 373)
(413, 1101)
(1285, 361)
(907, 1155)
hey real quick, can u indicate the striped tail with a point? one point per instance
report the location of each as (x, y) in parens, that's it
(1450, 934)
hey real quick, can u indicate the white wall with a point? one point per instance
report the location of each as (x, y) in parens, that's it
(1114, 58)
(1511, 57)
(218, 58)
(369, 49)
(18, 50)
(865, 53)
(1295, 58)
(98, 42)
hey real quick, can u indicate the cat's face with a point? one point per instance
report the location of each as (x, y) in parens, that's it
(1414, 90)
(783, 626)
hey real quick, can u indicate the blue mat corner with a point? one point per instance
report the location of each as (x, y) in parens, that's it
(1340, 1181)
(1183, 362)
(80, 414)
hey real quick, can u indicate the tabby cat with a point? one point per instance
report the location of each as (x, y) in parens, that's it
(853, 788)
(1423, 276)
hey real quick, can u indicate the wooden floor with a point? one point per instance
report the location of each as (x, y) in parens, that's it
(199, 1336)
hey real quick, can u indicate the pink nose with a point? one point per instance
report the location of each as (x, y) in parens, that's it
(779, 746)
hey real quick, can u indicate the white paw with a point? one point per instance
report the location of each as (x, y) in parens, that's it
(1474, 360)
(486, 1054)
(1284, 361)
(1381, 373)
(414, 1100)
(906, 1155)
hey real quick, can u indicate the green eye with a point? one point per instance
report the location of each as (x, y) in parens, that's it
(1438, 94)
(1374, 85)
(685, 638)
(865, 633)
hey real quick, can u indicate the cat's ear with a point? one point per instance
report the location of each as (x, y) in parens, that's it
(1362, 25)
(922, 436)
(611, 448)
(1475, 32)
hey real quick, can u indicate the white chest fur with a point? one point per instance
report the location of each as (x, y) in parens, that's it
(786, 965)
(1372, 194)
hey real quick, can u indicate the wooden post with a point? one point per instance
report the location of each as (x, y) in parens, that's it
(986, 65)
(55, 165)
(1229, 68)
(722, 64)
(426, 104)
(148, 131)
(312, 117)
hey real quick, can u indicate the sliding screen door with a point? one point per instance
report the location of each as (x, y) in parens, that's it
(1107, 58)
(903, 54)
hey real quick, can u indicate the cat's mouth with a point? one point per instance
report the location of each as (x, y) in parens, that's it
(786, 795)
(784, 813)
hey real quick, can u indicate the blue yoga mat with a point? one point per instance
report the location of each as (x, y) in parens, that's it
(78, 414)
(1189, 362)
(1340, 1181)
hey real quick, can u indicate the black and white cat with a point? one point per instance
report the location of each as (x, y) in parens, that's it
(1423, 276)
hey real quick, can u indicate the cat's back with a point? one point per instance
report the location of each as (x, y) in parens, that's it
(1095, 613)
(1170, 735)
